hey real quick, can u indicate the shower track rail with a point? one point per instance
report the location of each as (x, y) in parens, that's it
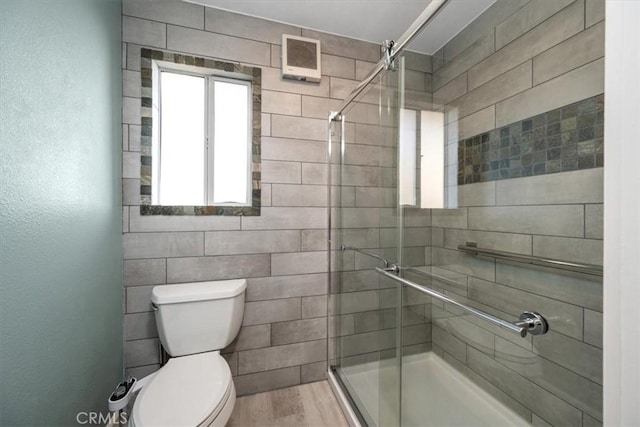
(591, 269)
(529, 321)
(395, 49)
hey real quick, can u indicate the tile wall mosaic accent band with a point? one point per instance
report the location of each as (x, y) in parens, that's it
(565, 139)
(146, 208)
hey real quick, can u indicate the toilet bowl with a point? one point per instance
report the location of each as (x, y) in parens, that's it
(195, 387)
(192, 390)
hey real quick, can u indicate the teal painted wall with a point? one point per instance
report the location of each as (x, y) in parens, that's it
(61, 216)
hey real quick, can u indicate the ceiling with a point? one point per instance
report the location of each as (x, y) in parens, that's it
(369, 20)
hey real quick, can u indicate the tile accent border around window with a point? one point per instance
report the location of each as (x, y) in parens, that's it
(146, 208)
(565, 139)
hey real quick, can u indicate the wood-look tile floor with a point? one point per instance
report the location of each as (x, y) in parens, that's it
(310, 405)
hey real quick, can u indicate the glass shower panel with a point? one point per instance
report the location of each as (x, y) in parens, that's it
(365, 342)
(522, 175)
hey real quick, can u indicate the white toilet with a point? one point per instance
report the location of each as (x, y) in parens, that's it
(195, 321)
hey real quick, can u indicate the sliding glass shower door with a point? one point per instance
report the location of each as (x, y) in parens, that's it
(375, 321)
(365, 343)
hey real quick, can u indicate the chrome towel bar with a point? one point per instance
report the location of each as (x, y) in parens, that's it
(529, 322)
(591, 269)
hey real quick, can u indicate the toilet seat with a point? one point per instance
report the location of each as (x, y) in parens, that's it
(188, 391)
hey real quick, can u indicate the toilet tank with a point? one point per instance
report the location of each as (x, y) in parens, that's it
(198, 317)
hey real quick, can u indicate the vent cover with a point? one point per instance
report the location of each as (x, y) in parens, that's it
(300, 58)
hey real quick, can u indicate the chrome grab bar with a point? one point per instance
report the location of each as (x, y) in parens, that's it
(473, 249)
(529, 322)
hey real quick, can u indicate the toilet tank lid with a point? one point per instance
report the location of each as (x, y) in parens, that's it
(197, 291)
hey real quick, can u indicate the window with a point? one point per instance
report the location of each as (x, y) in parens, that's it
(202, 146)
(199, 136)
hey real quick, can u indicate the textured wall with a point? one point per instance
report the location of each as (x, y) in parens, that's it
(622, 210)
(282, 253)
(516, 61)
(61, 296)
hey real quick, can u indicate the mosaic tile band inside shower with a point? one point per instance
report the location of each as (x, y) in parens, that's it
(565, 139)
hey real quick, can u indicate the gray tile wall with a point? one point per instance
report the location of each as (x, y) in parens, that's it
(520, 60)
(503, 68)
(282, 252)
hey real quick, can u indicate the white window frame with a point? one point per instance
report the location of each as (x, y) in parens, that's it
(211, 76)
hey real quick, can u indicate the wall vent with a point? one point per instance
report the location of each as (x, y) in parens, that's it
(301, 58)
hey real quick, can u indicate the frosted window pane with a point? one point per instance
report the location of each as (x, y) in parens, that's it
(432, 162)
(231, 143)
(407, 155)
(182, 128)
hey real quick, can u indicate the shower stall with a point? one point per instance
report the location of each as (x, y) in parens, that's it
(465, 283)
